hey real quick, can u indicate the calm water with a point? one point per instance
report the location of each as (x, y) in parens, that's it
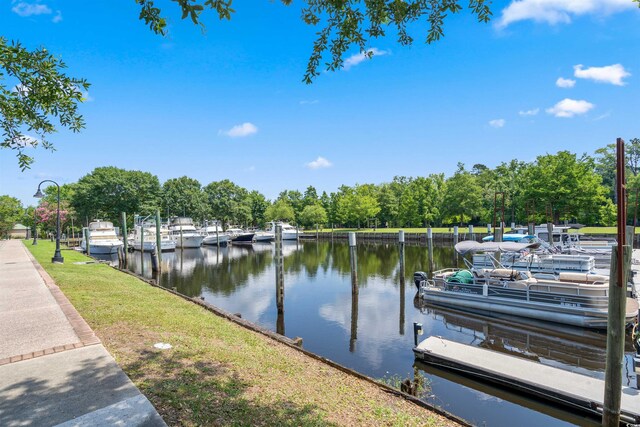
(369, 327)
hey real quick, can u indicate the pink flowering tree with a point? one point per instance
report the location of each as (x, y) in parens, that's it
(46, 214)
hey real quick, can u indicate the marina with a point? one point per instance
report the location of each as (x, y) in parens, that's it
(367, 327)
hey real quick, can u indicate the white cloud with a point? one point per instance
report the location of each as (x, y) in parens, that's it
(25, 9)
(602, 116)
(565, 83)
(26, 141)
(239, 131)
(356, 59)
(570, 107)
(57, 18)
(21, 89)
(309, 102)
(497, 123)
(532, 112)
(86, 97)
(609, 74)
(319, 163)
(559, 11)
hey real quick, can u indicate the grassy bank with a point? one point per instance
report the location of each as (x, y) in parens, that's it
(217, 373)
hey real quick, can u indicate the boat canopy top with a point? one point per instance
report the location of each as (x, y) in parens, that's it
(473, 246)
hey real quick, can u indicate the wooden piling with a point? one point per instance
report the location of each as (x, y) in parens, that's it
(142, 248)
(497, 234)
(155, 265)
(279, 267)
(87, 236)
(125, 241)
(402, 280)
(158, 241)
(550, 231)
(430, 248)
(120, 257)
(353, 258)
(630, 235)
(620, 265)
(615, 336)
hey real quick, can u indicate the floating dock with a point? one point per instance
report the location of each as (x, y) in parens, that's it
(556, 385)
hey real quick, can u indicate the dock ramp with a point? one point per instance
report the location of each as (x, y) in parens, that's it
(556, 385)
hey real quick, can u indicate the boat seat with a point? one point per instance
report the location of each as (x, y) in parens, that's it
(502, 273)
(582, 278)
(518, 284)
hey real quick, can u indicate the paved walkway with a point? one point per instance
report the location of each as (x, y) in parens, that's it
(53, 369)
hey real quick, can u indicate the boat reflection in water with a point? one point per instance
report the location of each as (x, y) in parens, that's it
(569, 348)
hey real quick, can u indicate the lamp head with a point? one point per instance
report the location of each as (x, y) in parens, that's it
(38, 194)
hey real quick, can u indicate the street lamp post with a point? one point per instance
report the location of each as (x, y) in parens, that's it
(57, 257)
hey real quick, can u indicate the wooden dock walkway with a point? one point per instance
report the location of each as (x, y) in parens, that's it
(553, 384)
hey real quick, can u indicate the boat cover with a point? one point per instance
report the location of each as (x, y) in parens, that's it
(473, 246)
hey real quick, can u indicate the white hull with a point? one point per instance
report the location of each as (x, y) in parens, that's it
(212, 240)
(103, 248)
(188, 241)
(289, 232)
(289, 235)
(580, 318)
(263, 237)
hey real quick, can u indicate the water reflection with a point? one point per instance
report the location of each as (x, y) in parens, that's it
(358, 317)
(566, 347)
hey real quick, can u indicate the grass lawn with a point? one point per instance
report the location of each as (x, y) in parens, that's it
(217, 373)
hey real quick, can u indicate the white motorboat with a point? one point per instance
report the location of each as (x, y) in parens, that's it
(102, 238)
(239, 236)
(289, 232)
(263, 237)
(578, 299)
(214, 235)
(148, 241)
(184, 233)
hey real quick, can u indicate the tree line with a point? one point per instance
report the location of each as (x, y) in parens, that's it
(558, 187)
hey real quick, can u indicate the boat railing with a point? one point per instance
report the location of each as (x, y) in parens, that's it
(575, 295)
(95, 237)
(445, 271)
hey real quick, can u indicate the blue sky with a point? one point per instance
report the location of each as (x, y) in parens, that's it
(229, 103)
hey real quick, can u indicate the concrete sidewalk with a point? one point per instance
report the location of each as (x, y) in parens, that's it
(53, 369)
